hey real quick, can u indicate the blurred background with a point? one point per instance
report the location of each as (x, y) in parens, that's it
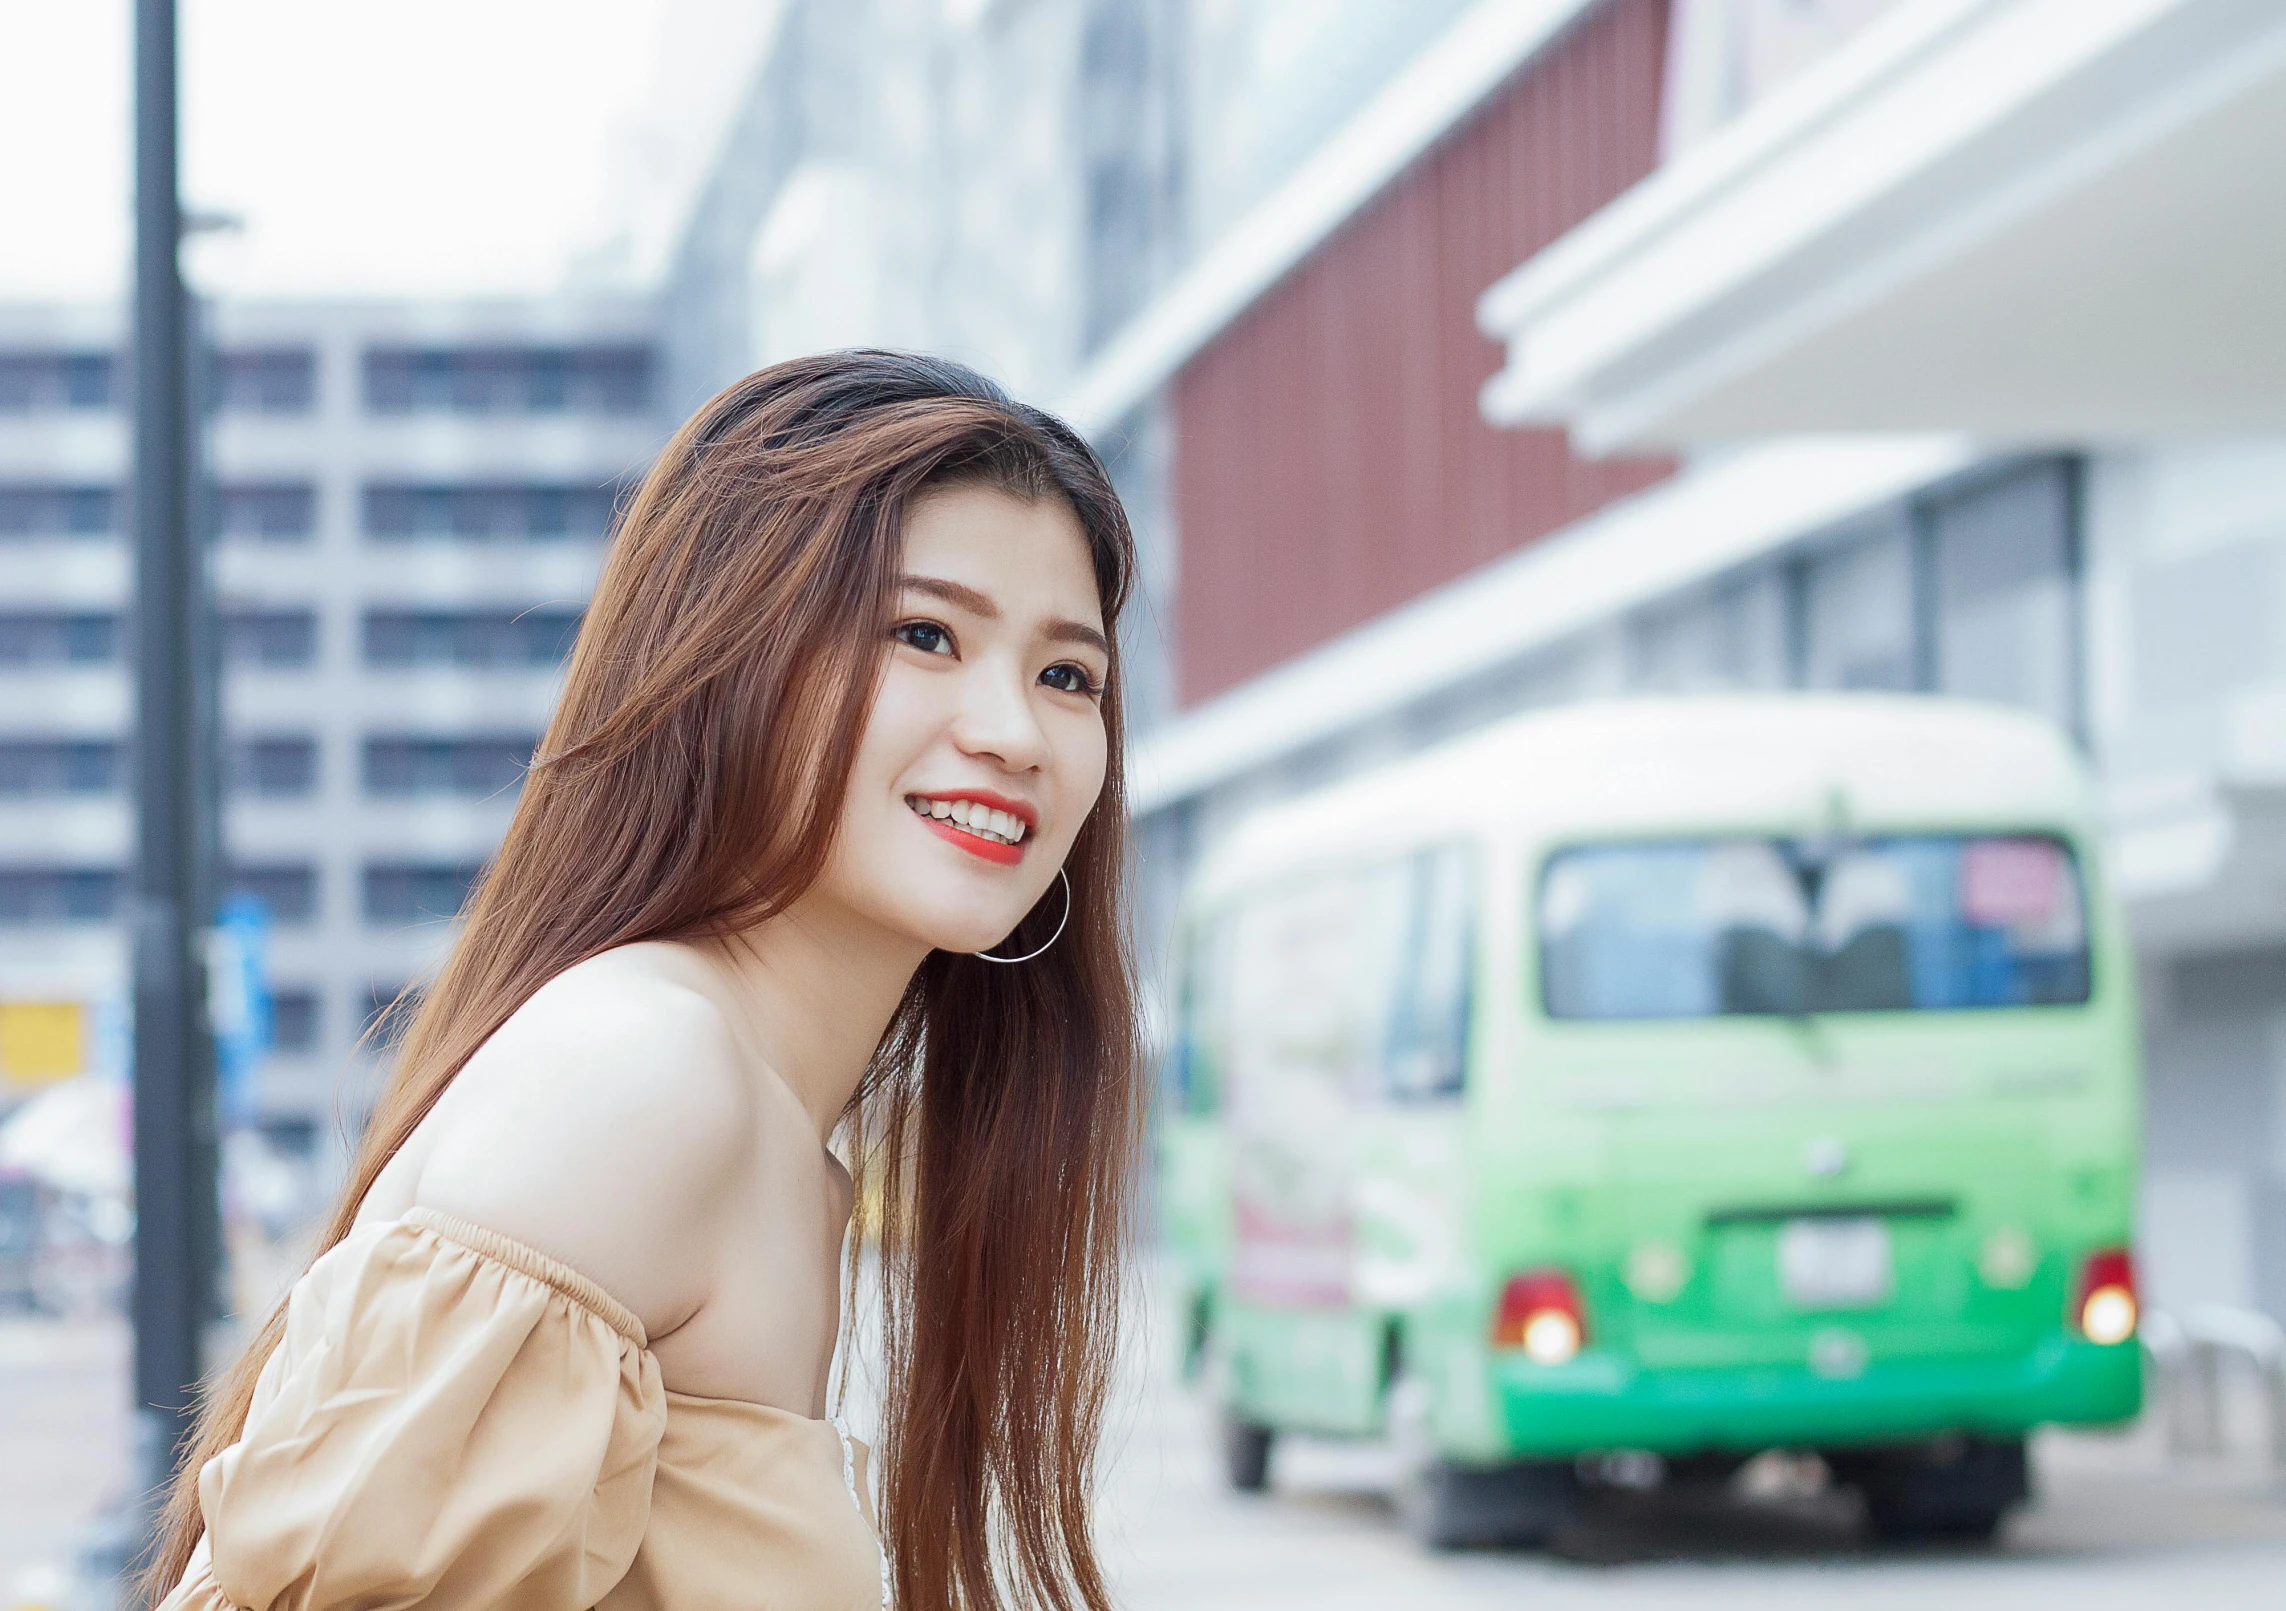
(1455, 357)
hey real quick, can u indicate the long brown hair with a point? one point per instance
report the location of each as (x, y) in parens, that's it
(689, 786)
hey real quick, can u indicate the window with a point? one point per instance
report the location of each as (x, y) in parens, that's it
(273, 766)
(1858, 627)
(1732, 635)
(46, 509)
(418, 892)
(41, 767)
(488, 512)
(508, 380)
(1426, 1053)
(479, 766)
(40, 896)
(540, 637)
(2004, 569)
(294, 1018)
(1970, 590)
(271, 638)
(52, 638)
(1697, 928)
(1358, 982)
(265, 380)
(288, 889)
(274, 512)
(42, 382)
(1317, 1001)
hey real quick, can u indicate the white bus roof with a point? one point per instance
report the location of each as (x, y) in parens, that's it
(1692, 763)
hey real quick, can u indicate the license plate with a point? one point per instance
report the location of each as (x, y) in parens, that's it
(1834, 1263)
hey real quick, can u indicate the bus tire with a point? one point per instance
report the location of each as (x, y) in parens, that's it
(1515, 1506)
(1954, 1489)
(1245, 1453)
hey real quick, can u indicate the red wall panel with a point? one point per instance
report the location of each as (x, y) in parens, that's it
(1330, 462)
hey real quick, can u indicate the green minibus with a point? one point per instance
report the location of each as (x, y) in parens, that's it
(1690, 1077)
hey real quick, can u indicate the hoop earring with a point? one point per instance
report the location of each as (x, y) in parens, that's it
(987, 956)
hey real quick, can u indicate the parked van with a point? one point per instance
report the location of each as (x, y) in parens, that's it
(1696, 1077)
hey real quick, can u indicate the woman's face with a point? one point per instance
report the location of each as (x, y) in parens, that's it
(985, 749)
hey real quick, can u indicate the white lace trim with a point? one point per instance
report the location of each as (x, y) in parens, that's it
(849, 1481)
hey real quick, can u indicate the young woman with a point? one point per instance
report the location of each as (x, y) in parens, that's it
(827, 835)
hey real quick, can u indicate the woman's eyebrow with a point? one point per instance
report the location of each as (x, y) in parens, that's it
(1077, 632)
(976, 603)
(968, 598)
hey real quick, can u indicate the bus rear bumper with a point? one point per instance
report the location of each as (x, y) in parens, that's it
(1599, 1401)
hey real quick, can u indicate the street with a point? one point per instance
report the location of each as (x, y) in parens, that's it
(2112, 1523)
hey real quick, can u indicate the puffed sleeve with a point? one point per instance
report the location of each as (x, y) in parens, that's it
(451, 1421)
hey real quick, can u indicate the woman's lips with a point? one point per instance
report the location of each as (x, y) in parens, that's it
(979, 821)
(991, 850)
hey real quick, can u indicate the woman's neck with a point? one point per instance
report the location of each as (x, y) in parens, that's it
(815, 988)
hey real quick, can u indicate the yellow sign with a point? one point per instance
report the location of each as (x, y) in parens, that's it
(41, 1042)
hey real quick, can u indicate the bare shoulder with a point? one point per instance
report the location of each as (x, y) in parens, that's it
(604, 1124)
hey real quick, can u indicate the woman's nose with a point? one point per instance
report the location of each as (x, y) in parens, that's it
(997, 719)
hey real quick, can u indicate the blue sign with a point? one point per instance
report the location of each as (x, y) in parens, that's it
(238, 1003)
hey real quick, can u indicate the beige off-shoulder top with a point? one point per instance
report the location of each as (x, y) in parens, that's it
(456, 1421)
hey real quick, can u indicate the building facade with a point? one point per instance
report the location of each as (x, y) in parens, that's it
(1012, 183)
(408, 505)
(1789, 363)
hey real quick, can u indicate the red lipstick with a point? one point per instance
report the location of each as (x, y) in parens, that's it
(989, 849)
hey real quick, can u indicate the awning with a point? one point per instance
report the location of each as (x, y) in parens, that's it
(2034, 220)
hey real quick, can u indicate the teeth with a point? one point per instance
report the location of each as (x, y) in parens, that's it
(1003, 826)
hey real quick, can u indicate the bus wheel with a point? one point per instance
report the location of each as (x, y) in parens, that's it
(1500, 1507)
(1955, 1488)
(1245, 1453)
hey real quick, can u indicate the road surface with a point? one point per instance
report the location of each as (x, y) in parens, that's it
(2112, 1524)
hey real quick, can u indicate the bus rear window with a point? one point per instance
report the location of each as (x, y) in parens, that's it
(1703, 928)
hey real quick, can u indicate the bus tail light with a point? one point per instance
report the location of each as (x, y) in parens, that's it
(1541, 1313)
(2105, 1308)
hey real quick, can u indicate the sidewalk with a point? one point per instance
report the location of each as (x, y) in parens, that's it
(65, 1445)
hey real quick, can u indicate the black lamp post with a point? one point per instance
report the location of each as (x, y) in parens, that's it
(177, 1229)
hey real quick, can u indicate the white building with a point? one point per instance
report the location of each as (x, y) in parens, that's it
(2001, 227)
(1921, 344)
(410, 501)
(1945, 343)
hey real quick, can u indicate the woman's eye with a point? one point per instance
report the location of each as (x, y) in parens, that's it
(926, 636)
(1068, 678)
